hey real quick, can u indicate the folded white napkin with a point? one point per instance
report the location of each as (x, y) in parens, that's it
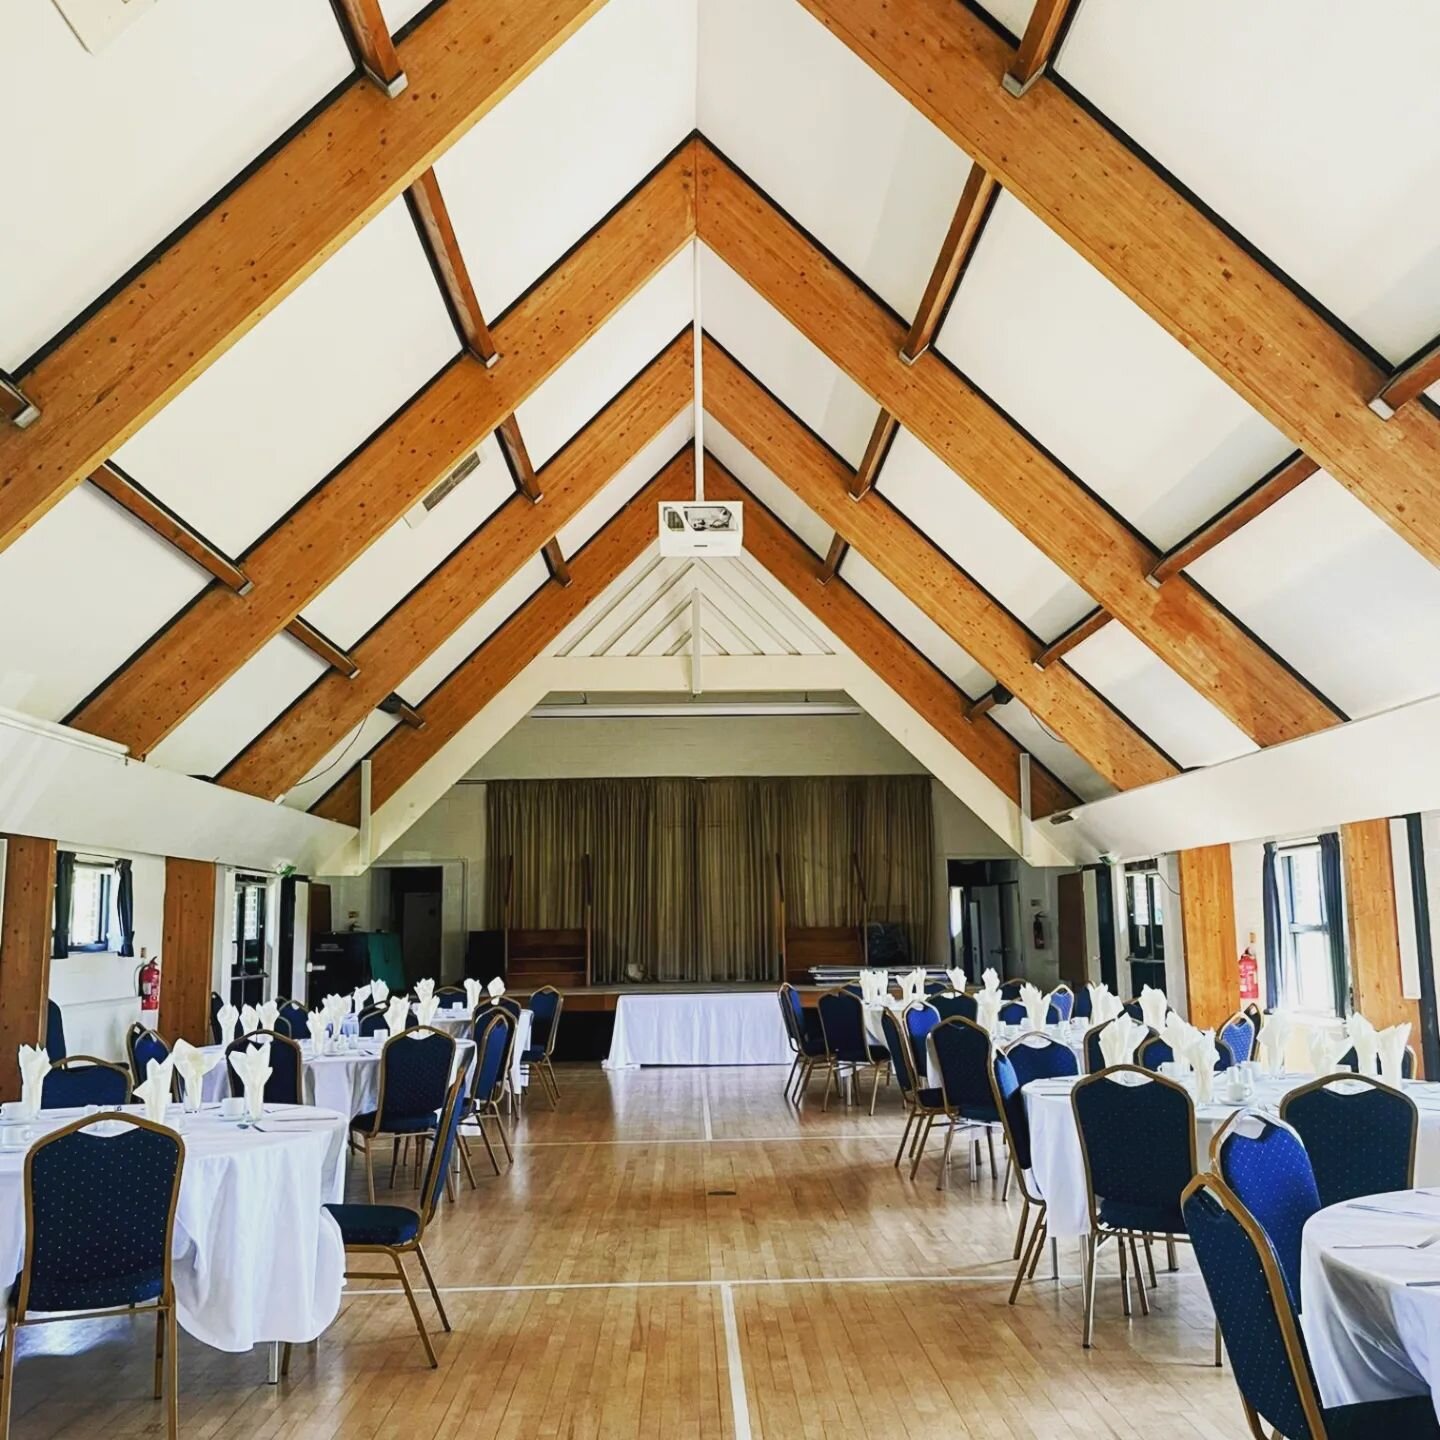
(989, 980)
(957, 980)
(988, 1004)
(1366, 1042)
(193, 1065)
(379, 991)
(1326, 1048)
(335, 1009)
(269, 1014)
(495, 989)
(1274, 1039)
(1392, 1043)
(1037, 1006)
(424, 989)
(1203, 1055)
(252, 1065)
(227, 1018)
(1153, 1007)
(425, 1009)
(361, 997)
(397, 1012)
(249, 1019)
(472, 995)
(1119, 1039)
(318, 1026)
(155, 1089)
(34, 1067)
(1178, 1035)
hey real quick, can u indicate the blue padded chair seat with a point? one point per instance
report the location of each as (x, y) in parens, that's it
(100, 1294)
(376, 1224)
(397, 1124)
(1134, 1215)
(980, 1114)
(931, 1099)
(1411, 1418)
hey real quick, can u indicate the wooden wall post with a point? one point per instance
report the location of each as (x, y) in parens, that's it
(27, 929)
(1207, 919)
(1374, 927)
(187, 950)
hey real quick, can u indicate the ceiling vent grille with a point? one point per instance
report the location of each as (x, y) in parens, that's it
(417, 514)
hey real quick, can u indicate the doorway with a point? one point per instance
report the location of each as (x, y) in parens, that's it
(416, 910)
(985, 916)
(247, 966)
(1070, 931)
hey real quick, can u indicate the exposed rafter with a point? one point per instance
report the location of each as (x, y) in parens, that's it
(432, 216)
(834, 559)
(183, 311)
(1077, 634)
(1408, 383)
(1158, 248)
(1037, 44)
(323, 648)
(195, 655)
(877, 448)
(1184, 627)
(527, 634)
(370, 37)
(292, 745)
(928, 577)
(995, 695)
(897, 662)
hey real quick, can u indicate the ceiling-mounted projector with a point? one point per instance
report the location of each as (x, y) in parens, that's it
(700, 527)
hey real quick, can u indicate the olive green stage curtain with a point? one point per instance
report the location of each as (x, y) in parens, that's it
(684, 872)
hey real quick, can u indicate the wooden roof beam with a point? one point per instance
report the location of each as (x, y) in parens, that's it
(522, 638)
(1037, 45)
(323, 648)
(297, 740)
(1077, 634)
(927, 576)
(1183, 626)
(370, 40)
(834, 559)
(894, 659)
(206, 644)
(179, 314)
(877, 449)
(1408, 383)
(1157, 247)
(994, 696)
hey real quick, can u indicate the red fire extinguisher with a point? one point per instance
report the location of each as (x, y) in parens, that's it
(1249, 972)
(147, 979)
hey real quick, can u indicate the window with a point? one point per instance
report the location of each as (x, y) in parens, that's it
(1307, 978)
(1145, 910)
(91, 901)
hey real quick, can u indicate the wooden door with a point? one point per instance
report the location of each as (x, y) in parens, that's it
(1070, 931)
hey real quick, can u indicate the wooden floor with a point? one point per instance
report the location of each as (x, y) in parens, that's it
(678, 1253)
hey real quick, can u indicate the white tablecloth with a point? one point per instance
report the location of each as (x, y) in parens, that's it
(1059, 1170)
(699, 1028)
(256, 1257)
(1370, 1336)
(1073, 1041)
(457, 1022)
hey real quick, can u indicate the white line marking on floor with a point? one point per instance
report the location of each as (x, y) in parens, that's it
(705, 1105)
(739, 1404)
(711, 1140)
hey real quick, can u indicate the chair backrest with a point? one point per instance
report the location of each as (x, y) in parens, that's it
(1010, 989)
(1350, 1060)
(1253, 1309)
(1134, 1009)
(1137, 1138)
(1040, 1057)
(1094, 1056)
(790, 1014)
(842, 1022)
(963, 1050)
(493, 1035)
(217, 1004)
(143, 1045)
(1265, 1165)
(84, 1080)
(1151, 1054)
(853, 989)
(545, 1006)
(951, 1007)
(1084, 1005)
(937, 987)
(450, 995)
(901, 1055)
(293, 1020)
(920, 1019)
(1062, 1004)
(508, 1002)
(1012, 1012)
(54, 1032)
(101, 1215)
(286, 1085)
(414, 1075)
(1009, 1100)
(1360, 1135)
(1239, 1034)
(372, 1020)
(442, 1153)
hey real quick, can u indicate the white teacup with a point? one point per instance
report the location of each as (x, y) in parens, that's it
(15, 1110)
(232, 1107)
(12, 1136)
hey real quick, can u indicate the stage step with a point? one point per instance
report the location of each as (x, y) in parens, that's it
(546, 957)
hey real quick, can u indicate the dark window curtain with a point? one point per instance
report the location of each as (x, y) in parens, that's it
(64, 888)
(1274, 940)
(1333, 891)
(125, 905)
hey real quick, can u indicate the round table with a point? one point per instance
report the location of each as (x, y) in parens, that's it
(256, 1257)
(1371, 1316)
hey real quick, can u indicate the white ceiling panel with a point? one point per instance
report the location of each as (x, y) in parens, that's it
(1099, 383)
(404, 555)
(1012, 14)
(915, 625)
(767, 487)
(112, 152)
(1329, 586)
(610, 359)
(1322, 159)
(80, 592)
(475, 631)
(1053, 753)
(783, 360)
(1180, 720)
(343, 757)
(980, 540)
(222, 726)
(269, 420)
(398, 13)
(859, 167)
(570, 143)
(627, 482)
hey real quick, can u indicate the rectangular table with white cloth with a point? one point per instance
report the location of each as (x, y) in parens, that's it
(699, 1028)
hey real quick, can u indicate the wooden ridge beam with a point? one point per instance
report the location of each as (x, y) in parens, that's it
(1037, 44)
(184, 310)
(1408, 383)
(294, 743)
(1184, 627)
(320, 645)
(521, 639)
(195, 654)
(1077, 634)
(876, 449)
(928, 577)
(140, 503)
(894, 659)
(1287, 476)
(1181, 268)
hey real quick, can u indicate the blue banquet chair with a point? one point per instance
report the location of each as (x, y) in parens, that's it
(1350, 1060)
(923, 1103)
(920, 1019)
(415, 1071)
(1010, 1103)
(964, 1053)
(1010, 989)
(293, 1020)
(1083, 1007)
(1037, 1057)
(1151, 1054)
(1062, 1005)
(806, 1041)
(1359, 1134)
(951, 1007)
(217, 1004)
(54, 1032)
(1239, 1034)
(1265, 1165)
(142, 1045)
(286, 1085)
(101, 1211)
(1257, 1318)
(494, 1034)
(81, 1080)
(1012, 1012)
(1137, 1139)
(842, 1022)
(545, 1007)
(1094, 1056)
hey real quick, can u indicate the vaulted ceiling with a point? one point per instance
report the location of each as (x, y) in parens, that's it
(1064, 395)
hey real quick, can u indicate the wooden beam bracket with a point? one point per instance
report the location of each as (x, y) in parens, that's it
(1409, 382)
(327, 650)
(19, 409)
(997, 695)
